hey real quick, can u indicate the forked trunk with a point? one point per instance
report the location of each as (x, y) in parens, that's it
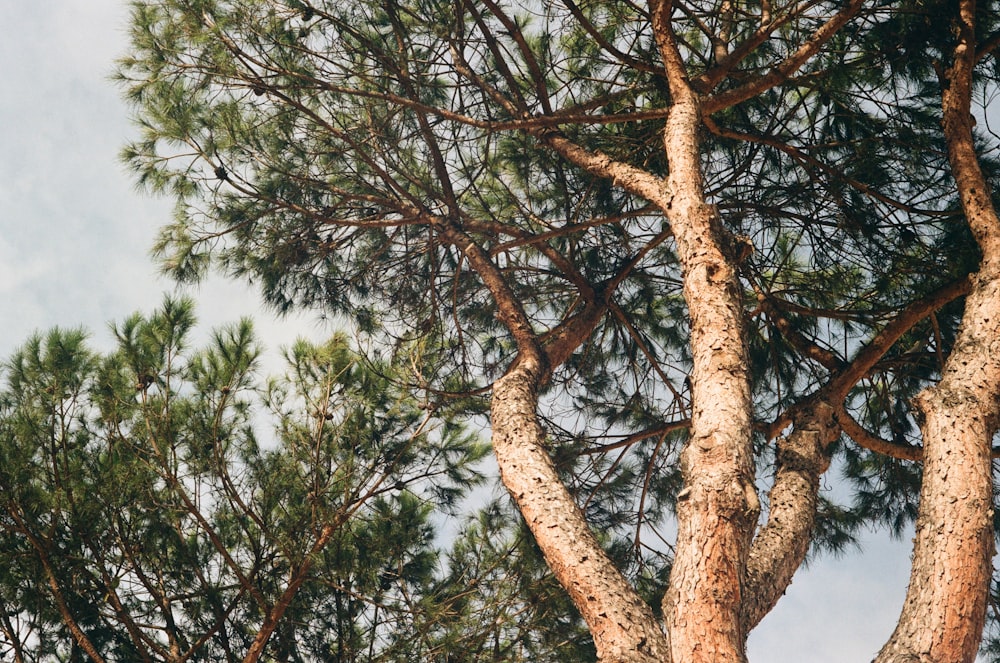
(622, 625)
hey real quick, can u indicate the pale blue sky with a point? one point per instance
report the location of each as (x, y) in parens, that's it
(74, 240)
(74, 233)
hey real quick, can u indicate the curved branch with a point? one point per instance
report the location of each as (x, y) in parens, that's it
(872, 442)
(781, 545)
(623, 626)
(790, 65)
(876, 348)
(624, 175)
(838, 385)
(635, 438)
(723, 66)
(50, 578)
(803, 345)
(607, 46)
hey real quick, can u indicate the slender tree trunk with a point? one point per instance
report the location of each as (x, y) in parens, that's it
(717, 508)
(781, 545)
(622, 625)
(945, 607)
(275, 612)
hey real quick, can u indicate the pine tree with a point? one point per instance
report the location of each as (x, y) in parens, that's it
(686, 249)
(149, 514)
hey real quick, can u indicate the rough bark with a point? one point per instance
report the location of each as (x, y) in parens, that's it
(717, 508)
(781, 545)
(945, 607)
(622, 625)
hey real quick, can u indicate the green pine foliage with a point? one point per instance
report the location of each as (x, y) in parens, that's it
(160, 499)
(322, 150)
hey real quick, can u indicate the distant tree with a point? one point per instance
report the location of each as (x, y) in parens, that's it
(688, 251)
(148, 512)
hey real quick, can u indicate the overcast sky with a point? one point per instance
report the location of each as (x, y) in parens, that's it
(74, 242)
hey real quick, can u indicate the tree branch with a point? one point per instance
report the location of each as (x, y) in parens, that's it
(863, 438)
(782, 543)
(782, 71)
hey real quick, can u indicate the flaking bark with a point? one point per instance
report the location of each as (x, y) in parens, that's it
(718, 507)
(781, 545)
(622, 625)
(945, 608)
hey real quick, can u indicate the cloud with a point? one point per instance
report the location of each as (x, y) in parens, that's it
(838, 609)
(74, 234)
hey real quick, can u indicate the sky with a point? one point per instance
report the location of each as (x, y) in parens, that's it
(75, 234)
(74, 251)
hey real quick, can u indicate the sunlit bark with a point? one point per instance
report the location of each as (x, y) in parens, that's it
(717, 508)
(622, 625)
(945, 607)
(781, 545)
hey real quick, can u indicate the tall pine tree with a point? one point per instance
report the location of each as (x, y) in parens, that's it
(688, 250)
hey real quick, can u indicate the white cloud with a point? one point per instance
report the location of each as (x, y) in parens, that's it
(837, 610)
(74, 234)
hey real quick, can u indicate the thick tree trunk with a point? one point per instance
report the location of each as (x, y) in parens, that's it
(717, 508)
(622, 625)
(945, 607)
(781, 545)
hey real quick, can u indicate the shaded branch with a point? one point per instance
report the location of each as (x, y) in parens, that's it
(635, 438)
(805, 346)
(807, 159)
(876, 348)
(724, 65)
(872, 442)
(837, 386)
(782, 71)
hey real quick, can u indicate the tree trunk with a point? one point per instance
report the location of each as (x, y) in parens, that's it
(622, 625)
(945, 607)
(717, 508)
